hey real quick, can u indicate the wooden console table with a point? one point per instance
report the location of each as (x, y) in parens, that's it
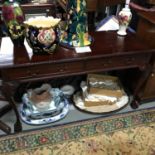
(109, 52)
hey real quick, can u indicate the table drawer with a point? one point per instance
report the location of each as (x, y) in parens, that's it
(42, 70)
(117, 62)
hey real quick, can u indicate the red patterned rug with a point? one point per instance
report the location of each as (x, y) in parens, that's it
(124, 134)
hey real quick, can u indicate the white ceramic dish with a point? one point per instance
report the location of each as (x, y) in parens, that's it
(45, 120)
(57, 97)
(68, 90)
(35, 113)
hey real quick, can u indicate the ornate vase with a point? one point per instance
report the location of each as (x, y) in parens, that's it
(41, 34)
(124, 18)
(75, 33)
(13, 17)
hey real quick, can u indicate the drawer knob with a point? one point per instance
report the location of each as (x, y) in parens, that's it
(62, 69)
(34, 74)
(106, 63)
(130, 60)
(30, 73)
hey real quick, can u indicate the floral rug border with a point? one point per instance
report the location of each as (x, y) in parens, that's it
(76, 130)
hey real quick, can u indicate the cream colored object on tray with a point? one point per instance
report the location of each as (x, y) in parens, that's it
(101, 93)
(100, 108)
(104, 85)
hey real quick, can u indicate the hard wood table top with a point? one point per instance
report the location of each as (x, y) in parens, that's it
(104, 44)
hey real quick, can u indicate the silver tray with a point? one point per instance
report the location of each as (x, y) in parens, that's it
(79, 103)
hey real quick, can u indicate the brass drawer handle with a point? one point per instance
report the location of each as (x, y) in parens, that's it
(35, 73)
(106, 63)
(30, 73)
(62, 69)
(130, 60)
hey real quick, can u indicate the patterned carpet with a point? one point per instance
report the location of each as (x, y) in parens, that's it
(124, 134)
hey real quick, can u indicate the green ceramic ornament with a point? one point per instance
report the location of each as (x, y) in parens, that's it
(76, 31)
(13, 18)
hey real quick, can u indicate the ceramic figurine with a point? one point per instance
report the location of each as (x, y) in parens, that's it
(13, 17)
(124, 18)
(76, 31)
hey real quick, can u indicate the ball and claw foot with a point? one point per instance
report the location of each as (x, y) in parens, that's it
(135, 103)
(17, 127)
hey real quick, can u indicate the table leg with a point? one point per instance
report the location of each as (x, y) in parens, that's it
(8, 89)
(5, 127)
(143, 78)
